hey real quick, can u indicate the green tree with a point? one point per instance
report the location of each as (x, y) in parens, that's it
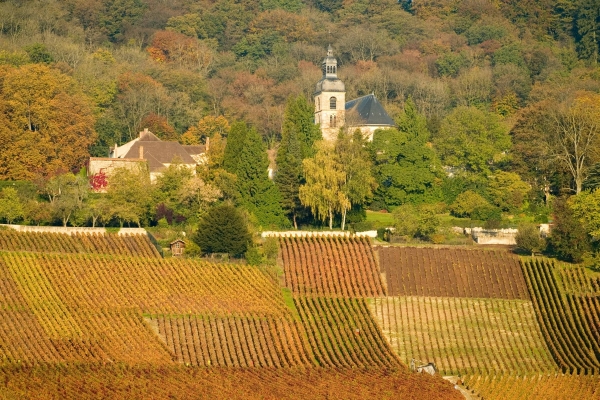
(223, 230)
(67, 194)
(471, 140)
(289, 175)
(587, 23)
(258, 194)
(130, 194)
(568, 240)
(405, 167)
(235, 143)
(528, 238)
(325, 179)
(507, 190)
(415, 221)
(357, 166)
(11, 209)
(466, 203)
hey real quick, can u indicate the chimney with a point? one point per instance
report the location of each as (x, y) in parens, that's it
(141, 152)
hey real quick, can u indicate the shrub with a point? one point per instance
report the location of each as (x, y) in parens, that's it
(528, 238)
(223, 230)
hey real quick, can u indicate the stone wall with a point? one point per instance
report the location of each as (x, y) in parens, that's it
(74, 230)
(371, 234)
(494, 236)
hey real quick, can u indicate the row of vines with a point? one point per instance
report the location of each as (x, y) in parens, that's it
(444, 272)
(89, 381)
(342, 333)
(331, 266)
(122, 245)
(463, 335)
(233, 341)
(569, 320)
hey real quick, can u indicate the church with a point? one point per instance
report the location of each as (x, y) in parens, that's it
(333, 112)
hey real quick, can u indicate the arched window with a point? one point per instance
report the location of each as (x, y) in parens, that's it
(332, 103)
(332, 121)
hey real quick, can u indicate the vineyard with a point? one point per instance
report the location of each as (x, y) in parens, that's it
(545, 386)
(123, 382)
(122, 245)
(411, 271)
(342, 333)
(331, 266)
(568, 317)
(91, 307)
(465, 336)
(234, 341)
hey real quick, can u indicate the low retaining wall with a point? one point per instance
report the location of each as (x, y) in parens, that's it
(494, 236)
(73, 230)
(371, 234)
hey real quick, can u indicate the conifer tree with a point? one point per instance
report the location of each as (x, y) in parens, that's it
(297, 137)
(235, 143)
(222, 230)
(258, 194)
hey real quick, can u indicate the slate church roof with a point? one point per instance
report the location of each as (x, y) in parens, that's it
(370, 111)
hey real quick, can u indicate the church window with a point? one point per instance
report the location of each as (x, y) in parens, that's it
(332, 103)
(332, 121)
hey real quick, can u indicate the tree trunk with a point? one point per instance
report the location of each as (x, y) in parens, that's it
(330, 219)
(344, 211)
(295, 222)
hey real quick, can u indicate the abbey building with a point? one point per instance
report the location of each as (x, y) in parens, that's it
(333, 112)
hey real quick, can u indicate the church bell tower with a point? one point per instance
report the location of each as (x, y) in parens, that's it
(330, 99)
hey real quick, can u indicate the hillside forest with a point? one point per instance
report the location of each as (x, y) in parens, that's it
(496, 104)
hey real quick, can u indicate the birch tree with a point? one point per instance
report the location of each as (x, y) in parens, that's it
(325, 178)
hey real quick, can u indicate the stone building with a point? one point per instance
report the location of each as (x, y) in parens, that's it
(149, 149)
(333, 112)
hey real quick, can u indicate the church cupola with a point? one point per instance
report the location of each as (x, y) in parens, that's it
(330, 98)
(329, 66)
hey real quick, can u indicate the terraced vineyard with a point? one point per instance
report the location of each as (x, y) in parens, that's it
(569, 318)
(465, 336)
(331, 266)
(545, 386)
(123, 245)
(426, 271)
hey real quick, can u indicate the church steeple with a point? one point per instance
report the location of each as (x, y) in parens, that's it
(330, 98)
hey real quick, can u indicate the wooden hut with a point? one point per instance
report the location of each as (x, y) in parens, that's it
(177, 247)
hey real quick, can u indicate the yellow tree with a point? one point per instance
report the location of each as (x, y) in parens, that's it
(47, 124)
(324, 192)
